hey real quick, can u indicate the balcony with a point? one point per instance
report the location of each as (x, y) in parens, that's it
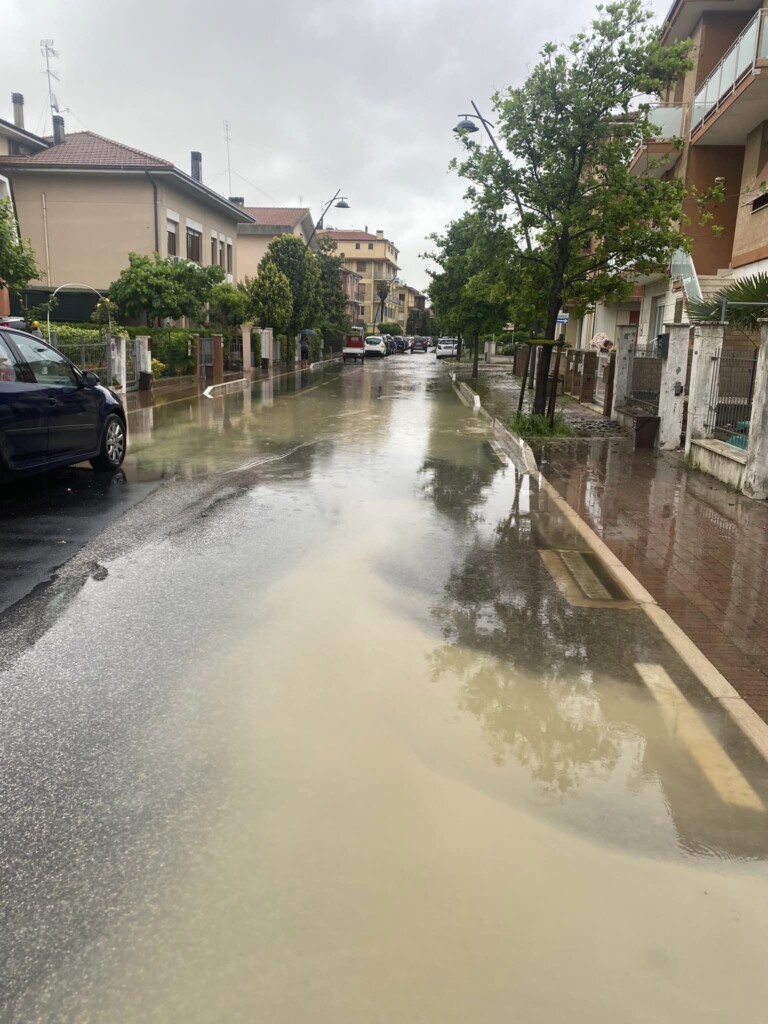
(733, 100)
(660, 153)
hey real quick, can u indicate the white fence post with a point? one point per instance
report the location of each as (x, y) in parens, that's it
(622, 376)
(672, 388)
(707, 346)
(756, 472)
(144, 362)
(247, 360)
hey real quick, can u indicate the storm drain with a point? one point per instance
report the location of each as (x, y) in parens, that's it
(583, 580)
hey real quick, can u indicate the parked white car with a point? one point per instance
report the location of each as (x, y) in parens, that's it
(376, 345)
(446, 348)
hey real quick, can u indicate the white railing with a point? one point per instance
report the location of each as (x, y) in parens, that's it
(739, 61)
(666, 121)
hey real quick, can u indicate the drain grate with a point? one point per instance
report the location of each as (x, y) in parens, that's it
(583, 580)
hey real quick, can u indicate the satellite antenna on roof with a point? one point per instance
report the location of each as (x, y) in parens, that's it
(47, 50)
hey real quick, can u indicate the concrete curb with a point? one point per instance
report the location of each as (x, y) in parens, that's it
(714, 682)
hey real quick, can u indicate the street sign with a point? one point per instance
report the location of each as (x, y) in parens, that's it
(562, 318)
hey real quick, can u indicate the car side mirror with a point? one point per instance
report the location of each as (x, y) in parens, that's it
(90, 379)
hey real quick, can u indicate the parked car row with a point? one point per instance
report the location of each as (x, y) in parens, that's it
(357, 347)
(51, 413)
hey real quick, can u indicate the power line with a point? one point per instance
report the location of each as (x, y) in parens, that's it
(229, 162)
(253, 185)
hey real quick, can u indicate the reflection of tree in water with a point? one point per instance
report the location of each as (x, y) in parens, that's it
(525, 661)
(455, 487)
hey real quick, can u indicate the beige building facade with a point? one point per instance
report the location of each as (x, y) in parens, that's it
(264, 224)
(374, 258)
(86, 202)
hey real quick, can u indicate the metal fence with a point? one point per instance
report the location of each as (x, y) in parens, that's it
(88, 355)
(233, 354)
(646, 375)
(730, 401)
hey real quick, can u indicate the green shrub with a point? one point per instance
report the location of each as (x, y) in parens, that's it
(158, 368)
(528, 424)
(315, 349)
(287, 349)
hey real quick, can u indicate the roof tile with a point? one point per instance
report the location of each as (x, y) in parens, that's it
(278, 216)
(86, 149)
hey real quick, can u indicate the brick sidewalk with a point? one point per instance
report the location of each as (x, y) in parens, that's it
(698, 548)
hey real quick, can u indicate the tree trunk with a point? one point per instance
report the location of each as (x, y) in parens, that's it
(545, 356)
(476, 356)
(459, 347)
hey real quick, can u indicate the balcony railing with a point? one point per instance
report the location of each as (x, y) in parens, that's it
(739, 61)
(666, 121)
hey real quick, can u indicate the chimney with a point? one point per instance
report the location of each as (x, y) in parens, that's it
(237, 200)
(197, 165)
(379, 234)
(58, 129)
(18, 109)
(366, 229)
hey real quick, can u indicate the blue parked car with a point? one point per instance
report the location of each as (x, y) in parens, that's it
(51, 413)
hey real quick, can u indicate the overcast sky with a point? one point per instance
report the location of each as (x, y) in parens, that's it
(320, 94)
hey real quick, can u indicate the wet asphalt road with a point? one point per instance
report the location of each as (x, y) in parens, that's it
(323, 729)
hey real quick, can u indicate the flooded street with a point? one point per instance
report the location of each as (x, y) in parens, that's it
(341, 722)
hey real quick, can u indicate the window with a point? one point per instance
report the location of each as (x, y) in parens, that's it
(214, 251)
(370, 245)
(760, 202)
(357, 245)
(48, 366)
(656, 322)
(361, 267)
(222, 255)
(229, 258)
(8, 373)
(194, 245)
(173, 238)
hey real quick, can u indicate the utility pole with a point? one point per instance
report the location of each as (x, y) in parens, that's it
(227, 127)
(47, 50)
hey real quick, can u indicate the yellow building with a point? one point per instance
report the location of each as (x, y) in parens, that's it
(374, 258)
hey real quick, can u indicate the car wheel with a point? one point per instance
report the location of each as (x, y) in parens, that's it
(112, 445)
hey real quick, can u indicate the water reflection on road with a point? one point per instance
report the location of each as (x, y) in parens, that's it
(370, 763)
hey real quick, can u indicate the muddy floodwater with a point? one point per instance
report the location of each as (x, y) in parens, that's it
(341, 724)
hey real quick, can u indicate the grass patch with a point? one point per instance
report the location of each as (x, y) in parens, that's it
(528, 424)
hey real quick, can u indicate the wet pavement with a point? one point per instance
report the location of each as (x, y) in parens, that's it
(342, 723)
(700, 549)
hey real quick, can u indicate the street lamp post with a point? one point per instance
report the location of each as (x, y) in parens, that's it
(341, 204)
(74, 284)
(467, 124)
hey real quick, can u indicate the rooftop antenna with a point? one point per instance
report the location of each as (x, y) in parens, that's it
(227, 127)
(47, 50)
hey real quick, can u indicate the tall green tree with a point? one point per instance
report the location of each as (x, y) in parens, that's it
(270, 303)
(471, 291)
(227, 305)
(160, 289)
(299, 265)
(582, 222)
(332, 318)
(17, 257)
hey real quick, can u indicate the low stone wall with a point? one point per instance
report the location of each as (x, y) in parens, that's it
(721, 460)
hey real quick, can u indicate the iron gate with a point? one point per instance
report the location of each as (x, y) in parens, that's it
(131, 364)
(646, 376)
(205, 358)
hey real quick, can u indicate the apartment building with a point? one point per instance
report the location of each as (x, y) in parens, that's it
(86, 202)
(374, 258)
(263, 224)
(719, 111)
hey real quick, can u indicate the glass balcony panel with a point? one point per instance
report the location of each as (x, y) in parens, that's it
(763, 51)
(748, 47)
(728, 71)
(699, 108)
(712, 88)
(667, 122)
